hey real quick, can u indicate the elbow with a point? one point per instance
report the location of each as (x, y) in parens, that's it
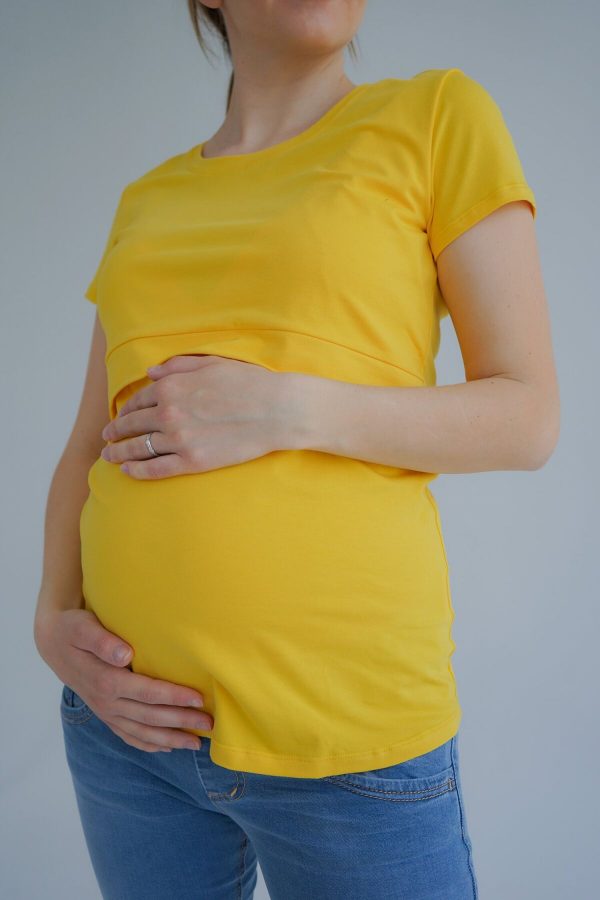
(542, 440)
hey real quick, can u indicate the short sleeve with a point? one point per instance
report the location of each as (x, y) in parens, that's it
(474, 164)
(90, 292)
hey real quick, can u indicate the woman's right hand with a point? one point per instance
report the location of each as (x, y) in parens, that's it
(145, 712)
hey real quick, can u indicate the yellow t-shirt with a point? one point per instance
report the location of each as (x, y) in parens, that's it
(305, 594)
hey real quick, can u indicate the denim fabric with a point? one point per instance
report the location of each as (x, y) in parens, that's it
(160, 826)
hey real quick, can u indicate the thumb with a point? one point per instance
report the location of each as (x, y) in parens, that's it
(183, 363)
(104, 644)
(121, 654)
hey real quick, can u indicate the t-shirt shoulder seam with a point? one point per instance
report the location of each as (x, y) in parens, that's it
(502, 192)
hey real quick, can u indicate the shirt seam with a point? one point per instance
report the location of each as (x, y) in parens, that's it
(252, 330)
(497, 191)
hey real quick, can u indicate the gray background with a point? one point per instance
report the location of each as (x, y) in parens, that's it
(93, 95)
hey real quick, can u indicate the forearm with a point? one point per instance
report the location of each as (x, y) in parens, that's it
(494, 423)
(61, 575)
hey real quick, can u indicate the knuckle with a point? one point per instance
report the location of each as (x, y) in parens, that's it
(169, 413)
(144, 695)
(162, 390)
(196, 456)
(179, 436)
(161, 414)
(149, 715)
(104, 646)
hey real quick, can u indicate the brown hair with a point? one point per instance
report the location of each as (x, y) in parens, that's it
(213, 18)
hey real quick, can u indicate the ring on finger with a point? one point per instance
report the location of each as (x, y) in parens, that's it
(149, 447)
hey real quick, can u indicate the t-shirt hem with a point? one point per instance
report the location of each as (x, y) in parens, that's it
(498, 197)
(263, 763)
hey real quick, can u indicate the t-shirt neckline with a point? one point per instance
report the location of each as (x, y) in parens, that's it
(197, 161)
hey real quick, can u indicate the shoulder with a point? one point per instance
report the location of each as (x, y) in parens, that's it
(171, 166)
(426, 101)
(459, 95)
(424, 95)
(443, 88)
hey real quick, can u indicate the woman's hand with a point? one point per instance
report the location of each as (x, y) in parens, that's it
(204, 412)
(146, 713)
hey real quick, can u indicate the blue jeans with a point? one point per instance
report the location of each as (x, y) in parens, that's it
(160, 826)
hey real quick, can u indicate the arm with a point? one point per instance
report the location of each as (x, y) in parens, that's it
(61, 574)
(506, 414)
(146, 712)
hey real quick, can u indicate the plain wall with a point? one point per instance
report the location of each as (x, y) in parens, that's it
(95, 94)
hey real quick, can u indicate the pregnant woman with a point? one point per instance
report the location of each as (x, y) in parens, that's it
(250, 520)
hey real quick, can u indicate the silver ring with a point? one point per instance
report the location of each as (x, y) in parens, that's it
(148, 443)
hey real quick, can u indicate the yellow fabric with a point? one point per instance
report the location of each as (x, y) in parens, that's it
(306, 595)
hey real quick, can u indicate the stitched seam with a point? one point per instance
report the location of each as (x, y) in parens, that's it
(199, 774)
(402, 799)
(251, 331)
(498, 191)
(229, 796)
(244, 782)
(243, 849)
(374, 790)
(462, 828)
(78, 720)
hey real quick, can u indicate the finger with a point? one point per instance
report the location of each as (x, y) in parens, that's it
(88, 633)
(144, 689)
(164, 466)
(184, 363)
(135, 742)
(135, 448)
(164, 716)
(134, 423)
(144, 397)
(164, 737)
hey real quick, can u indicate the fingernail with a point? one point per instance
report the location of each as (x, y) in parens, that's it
(124, 467)
(196, 702)
(121, 654)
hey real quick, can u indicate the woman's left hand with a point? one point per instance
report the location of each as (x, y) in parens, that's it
(204, 412)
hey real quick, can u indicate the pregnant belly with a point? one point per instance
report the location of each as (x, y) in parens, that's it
(263, 583)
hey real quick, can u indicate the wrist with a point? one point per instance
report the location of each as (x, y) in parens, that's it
(45, 620)
(43, 628)
(300, 420)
